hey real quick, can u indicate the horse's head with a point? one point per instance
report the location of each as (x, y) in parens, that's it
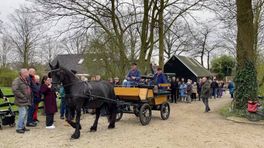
(56, 74)
(61, 75)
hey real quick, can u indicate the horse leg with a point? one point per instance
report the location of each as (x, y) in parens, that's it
(112, 118)
(69, 116)
(77, 133)
(94, 127)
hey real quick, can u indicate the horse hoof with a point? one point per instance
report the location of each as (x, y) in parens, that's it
(75, 136)
(111, 126)
(93, 129)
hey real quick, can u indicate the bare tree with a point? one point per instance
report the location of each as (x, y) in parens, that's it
(178, 40)
(49, 49)
(24, 34)
(123, 22)
(75, 44)
(5, 49)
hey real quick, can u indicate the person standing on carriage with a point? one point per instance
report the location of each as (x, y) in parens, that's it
(133, 77)
(159, 78)
(23, 98)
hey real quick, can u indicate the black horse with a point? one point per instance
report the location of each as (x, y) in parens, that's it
(79, 94)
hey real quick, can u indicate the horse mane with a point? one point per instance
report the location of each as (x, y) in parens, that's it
(73, 72)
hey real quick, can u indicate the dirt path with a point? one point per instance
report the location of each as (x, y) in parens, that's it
(187, 127)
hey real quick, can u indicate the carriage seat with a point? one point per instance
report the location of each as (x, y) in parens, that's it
(163, 92)
(146, 86)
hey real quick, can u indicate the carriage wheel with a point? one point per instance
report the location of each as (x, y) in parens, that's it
(165, 111)
(119, 116)
(145, 114)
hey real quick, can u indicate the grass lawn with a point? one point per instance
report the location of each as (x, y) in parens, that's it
(7, 91)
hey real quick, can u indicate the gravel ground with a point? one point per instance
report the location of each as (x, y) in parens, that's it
(188, 126)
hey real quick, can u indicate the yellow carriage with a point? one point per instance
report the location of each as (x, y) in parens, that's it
(141, 100)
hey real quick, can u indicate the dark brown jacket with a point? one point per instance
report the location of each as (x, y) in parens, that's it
(205, 92)
(22, 92)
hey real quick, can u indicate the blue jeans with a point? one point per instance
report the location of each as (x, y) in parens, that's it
(62, 107)
(129, 83)
(31, 110)
(22, 117)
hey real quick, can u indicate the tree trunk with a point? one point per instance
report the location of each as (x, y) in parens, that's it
(119, 41)
(246, 78)
(256, 23)
(208, 60)
(161, 34)
(144, 36)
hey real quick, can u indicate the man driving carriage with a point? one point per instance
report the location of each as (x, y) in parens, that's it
(133, 77)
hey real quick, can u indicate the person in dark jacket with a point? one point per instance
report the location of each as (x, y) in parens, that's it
(205, 93)
(174, 88)
(159, 78)
(49, 101)
(35, 93)
(23, 98)
(133, 77)
(199, 89)
(214, 87)
(231, 87)
(37, 99)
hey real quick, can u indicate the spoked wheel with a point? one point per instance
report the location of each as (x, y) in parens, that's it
(165, 111)
(145, 114)
(119, 116)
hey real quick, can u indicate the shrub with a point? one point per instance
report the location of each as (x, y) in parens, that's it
(7, 76)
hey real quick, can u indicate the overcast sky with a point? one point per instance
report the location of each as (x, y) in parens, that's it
(8, 6)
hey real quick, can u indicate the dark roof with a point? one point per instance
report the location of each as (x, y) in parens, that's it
(194, 66)
(72, 62)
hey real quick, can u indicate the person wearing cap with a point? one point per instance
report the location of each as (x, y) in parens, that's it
(159, 78)
(133, 76)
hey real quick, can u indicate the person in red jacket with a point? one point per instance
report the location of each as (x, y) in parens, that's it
(37, 100)
(49, 101)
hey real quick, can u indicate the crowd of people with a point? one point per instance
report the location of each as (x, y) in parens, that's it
(29, 91)
(187, 91)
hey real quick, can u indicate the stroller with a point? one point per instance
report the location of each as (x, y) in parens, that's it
(7, 116)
